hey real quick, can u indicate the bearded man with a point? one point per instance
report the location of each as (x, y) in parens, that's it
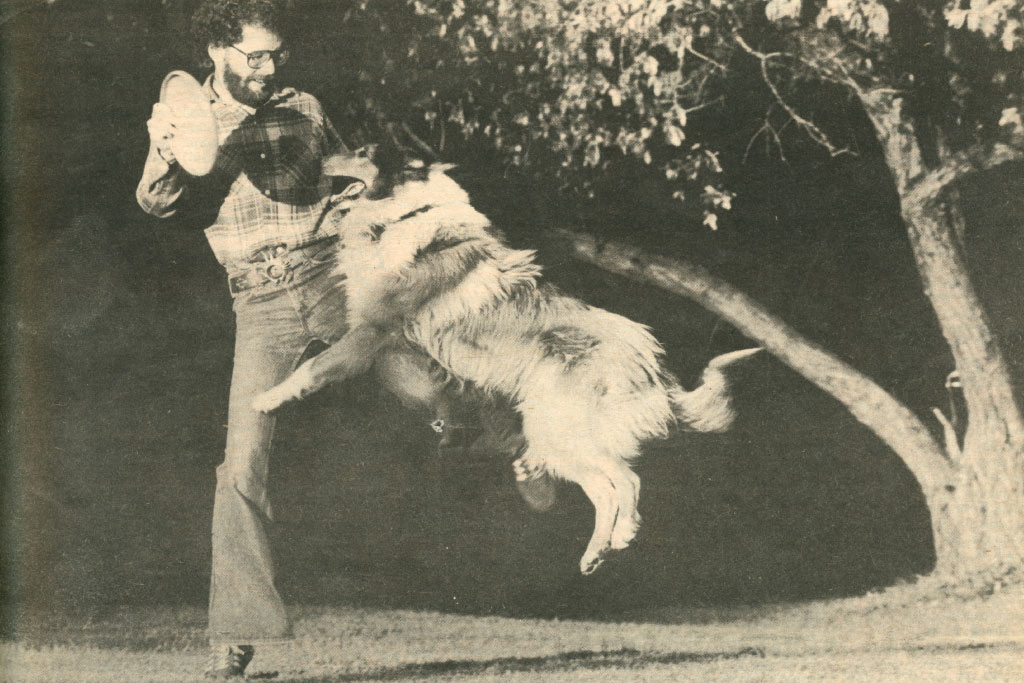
(269, 194)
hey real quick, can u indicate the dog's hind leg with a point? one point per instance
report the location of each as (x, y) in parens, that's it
(598, 488)
(601, 493)
(557, 430)
(627, 489)
(351, 355)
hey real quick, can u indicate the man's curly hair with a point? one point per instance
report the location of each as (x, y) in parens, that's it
(220, 22)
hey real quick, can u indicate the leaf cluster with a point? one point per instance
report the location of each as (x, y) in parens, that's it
(566, 90)
(563, 91)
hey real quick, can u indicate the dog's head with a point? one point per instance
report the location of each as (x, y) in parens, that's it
(348, 168)
(379, 166)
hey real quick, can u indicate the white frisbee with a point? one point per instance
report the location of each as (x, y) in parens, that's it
(349, 165)
(195, 138)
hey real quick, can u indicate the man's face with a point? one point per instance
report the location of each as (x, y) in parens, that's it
(251, 87)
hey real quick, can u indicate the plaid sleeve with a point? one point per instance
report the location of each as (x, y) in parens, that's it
(335, 145)
(160, 187)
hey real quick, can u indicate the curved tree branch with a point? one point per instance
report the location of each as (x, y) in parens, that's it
(889, 419)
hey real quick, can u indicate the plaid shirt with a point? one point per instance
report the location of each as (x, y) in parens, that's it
(268, 171)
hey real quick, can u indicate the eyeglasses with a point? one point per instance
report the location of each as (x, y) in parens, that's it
(260, 57)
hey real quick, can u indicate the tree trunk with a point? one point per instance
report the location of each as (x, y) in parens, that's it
(982, 528)
(975, 516)
(979, 530)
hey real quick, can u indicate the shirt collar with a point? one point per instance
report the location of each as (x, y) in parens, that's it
(279, 96)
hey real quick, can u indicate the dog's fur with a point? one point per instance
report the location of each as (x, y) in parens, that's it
(431, 278)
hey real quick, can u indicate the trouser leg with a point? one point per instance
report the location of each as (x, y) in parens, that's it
(245, 606)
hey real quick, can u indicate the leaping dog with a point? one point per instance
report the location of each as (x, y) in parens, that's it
(435, 280)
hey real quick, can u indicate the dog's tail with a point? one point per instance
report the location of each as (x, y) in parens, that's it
(709, 407)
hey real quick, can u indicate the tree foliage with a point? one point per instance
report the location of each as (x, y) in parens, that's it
(565, 90)
(560, 90)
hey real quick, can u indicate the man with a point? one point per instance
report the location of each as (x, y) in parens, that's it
(269, 193)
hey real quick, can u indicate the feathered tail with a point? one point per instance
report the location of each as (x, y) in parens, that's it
(708, 408)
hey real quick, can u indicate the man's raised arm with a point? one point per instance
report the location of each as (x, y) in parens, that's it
(162, 180)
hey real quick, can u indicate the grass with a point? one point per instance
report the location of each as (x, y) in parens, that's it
(876, 638)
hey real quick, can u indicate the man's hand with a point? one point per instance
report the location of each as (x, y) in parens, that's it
(161, 131)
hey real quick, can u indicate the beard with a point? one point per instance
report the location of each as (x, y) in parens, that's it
(252, 91)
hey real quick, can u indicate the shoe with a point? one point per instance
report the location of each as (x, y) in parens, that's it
(229, 661)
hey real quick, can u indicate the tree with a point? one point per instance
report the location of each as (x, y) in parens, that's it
(567, 90)
(936, 82)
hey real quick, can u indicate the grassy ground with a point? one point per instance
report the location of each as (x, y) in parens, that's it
(865, 639)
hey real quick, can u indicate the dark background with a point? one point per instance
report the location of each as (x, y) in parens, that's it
(118, 339)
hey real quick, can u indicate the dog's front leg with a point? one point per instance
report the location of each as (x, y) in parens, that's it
(351, 355)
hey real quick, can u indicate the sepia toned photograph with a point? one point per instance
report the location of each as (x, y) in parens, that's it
(512, 340)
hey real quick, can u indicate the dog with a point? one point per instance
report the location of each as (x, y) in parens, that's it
(438, 287)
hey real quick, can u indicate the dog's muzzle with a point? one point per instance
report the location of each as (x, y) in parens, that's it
(276, 266)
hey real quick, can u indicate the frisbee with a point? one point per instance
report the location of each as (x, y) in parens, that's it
(195, 138)
(349, 165)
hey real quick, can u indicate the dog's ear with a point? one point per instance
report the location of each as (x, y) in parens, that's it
(387, 156)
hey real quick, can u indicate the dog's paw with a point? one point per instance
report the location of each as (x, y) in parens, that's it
(268, 401)
(275, 397)
(527, 468)
(296, 387)
(591, 560)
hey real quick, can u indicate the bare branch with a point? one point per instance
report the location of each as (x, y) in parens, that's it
(705, 105)
(707, 59)
(868, 101)
(442, 120)
(931, 186)
(770, 134)
(949, 434)
(809, 127)
(419, 142)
